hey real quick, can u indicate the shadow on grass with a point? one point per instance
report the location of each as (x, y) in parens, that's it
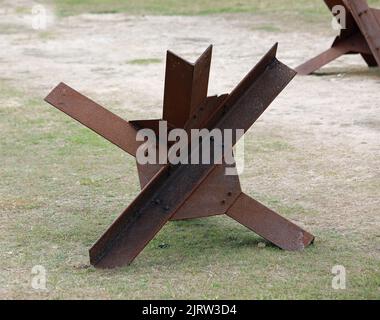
(357, 72)
(201, 242)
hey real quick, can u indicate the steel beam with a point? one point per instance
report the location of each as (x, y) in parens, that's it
(368, 23)
(268, 224)
(361, 36)
(185, 191)
(92, 115)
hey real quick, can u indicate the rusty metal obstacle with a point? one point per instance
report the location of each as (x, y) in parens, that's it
(361, 36)
(186, 191)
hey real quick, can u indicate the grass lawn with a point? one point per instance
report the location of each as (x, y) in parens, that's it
(61, 185)
(309, 8)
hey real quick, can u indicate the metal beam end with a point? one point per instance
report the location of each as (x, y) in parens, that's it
(59, 89)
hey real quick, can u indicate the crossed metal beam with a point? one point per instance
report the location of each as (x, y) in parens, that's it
(361, 36)
(186, 191)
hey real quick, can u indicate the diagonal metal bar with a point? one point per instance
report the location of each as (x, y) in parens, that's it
(355, 43)
(368, 23)
(92, 115)
(269, 60)
(269, 224)
(172, 186)
(255, 93)
(148, 171)
(370, 60)
(377, 13)
(321, 60)
(147, 214)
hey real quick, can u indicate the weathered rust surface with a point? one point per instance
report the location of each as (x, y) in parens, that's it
(140, 222)
(186, 191)
(268, 224)
(361, 36)
(222, 190)
(186, 86)
(368, 23)
(95, 117)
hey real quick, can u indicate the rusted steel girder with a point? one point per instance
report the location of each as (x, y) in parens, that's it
(186, 191)
(361, 36)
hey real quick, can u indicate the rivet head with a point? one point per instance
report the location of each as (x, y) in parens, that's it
(166, 208)
(223, 201)
(229, 193)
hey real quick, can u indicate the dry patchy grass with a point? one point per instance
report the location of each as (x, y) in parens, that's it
(61, 186)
